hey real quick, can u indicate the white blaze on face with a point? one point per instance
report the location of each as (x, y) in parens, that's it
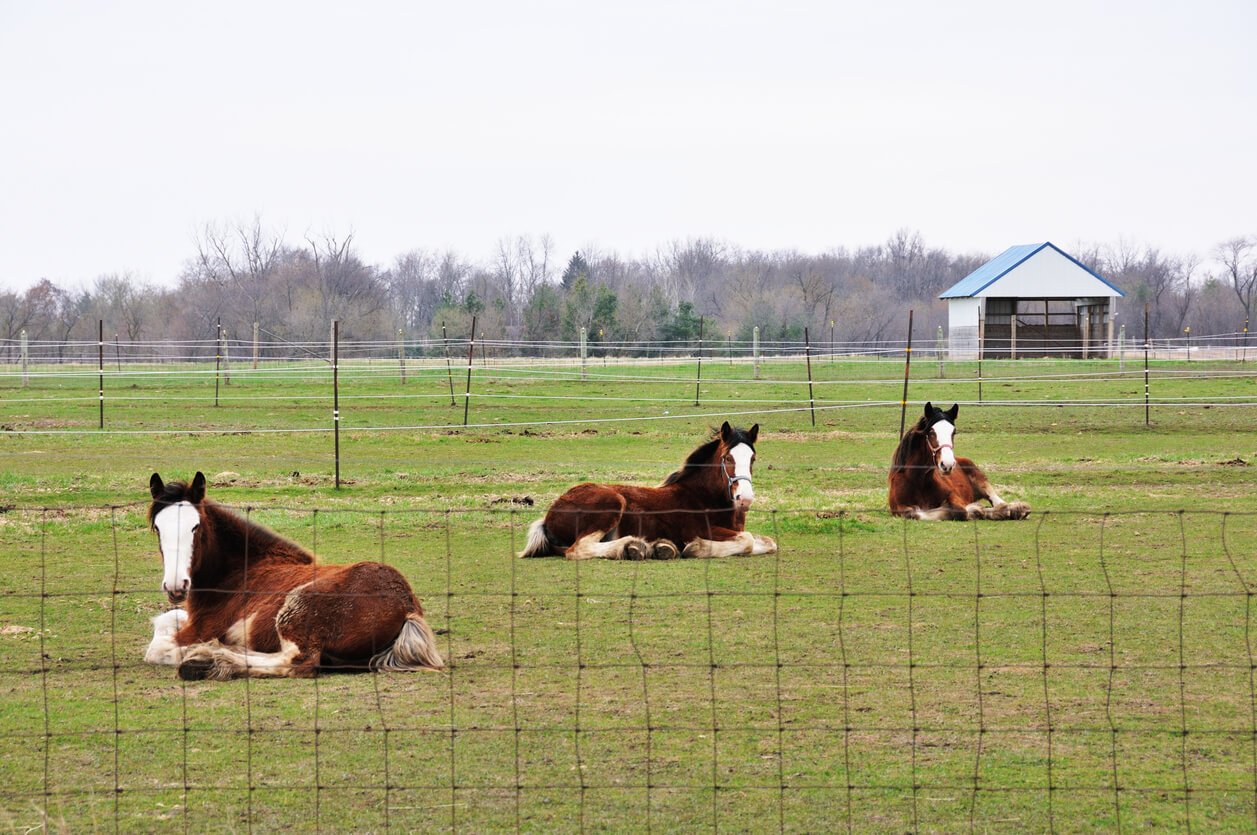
(743, 493)
(943, 434)
(175, 526)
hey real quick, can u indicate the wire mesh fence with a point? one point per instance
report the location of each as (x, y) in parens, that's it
(1075, 671)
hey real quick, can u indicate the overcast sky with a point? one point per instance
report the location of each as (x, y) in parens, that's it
(126, 126)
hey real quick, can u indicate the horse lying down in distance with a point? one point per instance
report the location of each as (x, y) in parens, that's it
(256, 604)
(698, 511)
(928, 481)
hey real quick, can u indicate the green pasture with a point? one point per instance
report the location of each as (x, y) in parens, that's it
(1088, 668)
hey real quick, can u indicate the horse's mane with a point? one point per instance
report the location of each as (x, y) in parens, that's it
(698, 462)
(908, 444)
(232, 529)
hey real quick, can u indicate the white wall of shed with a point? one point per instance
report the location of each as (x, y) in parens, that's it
(962, 328)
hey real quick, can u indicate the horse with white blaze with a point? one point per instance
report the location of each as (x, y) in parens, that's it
(252, 603)
(928, 481)
(699, 511)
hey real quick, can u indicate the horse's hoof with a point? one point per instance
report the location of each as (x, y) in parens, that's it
(665, 550)
(196, 670)
(692, 550)
(636, 549)
(1018, 510)
(767, 545)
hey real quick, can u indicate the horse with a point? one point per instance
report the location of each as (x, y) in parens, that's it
(928, 481)
(698, 511)
(252, 603)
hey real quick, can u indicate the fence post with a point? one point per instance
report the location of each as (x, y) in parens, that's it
(1121, 348)
(755, 350)
(938, 349)
(831, 341)
(401, 355)
(449, 369)
(336, 394)
(807, 352)
(25, 359)
(218, 358)
(907, 362)
(471, 355)
(100, 366)
(698, 379)
(1146, 407)
(584, 353)
(222, 342)
(255, 345)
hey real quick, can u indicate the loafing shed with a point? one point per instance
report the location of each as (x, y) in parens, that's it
(1031, 300)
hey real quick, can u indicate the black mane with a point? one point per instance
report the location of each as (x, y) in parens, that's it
(697, 462)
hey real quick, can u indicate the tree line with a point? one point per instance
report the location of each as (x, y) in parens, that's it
(245, 272)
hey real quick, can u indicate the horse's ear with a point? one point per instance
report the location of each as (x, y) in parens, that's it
(951, 413)
(156, 487)
(753, 433)
(725, 431)
(197, 491)
(929, 409)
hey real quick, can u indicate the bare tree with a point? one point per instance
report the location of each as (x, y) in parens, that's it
(413, 289)
(348, 289)
(1240, 265)
(1183, 290)
(687, 267)
(240, 260)
(533, 259)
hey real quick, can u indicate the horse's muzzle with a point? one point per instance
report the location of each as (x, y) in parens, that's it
(176, 595)
(742, 503)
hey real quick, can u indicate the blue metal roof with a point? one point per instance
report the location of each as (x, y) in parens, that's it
(1004, 263)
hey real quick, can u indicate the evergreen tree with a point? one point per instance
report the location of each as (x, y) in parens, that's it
(577, 267)
(682, 325)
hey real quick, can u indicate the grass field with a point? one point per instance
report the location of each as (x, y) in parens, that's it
(1089, 668)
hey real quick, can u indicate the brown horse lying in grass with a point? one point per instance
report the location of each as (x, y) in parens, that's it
(698, 511)
(928, 481)
(256, 604)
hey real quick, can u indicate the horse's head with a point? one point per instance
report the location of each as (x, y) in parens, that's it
(737, 450)
(175, 515)
(939, 428)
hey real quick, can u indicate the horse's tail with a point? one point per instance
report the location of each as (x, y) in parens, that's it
(414, 649)
(538, 544)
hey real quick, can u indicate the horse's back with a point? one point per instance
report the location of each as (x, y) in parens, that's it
(328, 599)
(584, 507)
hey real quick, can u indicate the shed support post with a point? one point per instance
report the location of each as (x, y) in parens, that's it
(1112, 311)
(1086, 329)
(1012, 330)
